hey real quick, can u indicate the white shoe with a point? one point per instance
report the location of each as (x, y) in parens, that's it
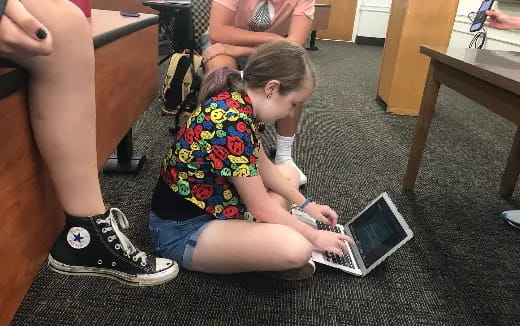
(512, 217)
(303, 177)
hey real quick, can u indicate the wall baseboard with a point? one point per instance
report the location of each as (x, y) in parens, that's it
(381, 102)
(364, 40)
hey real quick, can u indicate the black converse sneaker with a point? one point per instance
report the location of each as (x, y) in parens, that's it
(96, 246)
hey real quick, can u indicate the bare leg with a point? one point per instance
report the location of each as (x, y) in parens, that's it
(239, 246)
(63, 108)
(286, 130)
(292, 176)
(235, 246)
(63, 116)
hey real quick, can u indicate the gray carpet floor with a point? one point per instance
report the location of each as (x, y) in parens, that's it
(461, 268)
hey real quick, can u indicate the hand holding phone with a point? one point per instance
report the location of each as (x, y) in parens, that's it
(480, 18)
(498, 20)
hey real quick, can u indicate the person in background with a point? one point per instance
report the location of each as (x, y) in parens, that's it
(498, 20)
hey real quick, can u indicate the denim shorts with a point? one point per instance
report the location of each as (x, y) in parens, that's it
(205, 42)
(175, 239)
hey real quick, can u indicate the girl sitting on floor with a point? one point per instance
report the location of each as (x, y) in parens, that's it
(217, 177)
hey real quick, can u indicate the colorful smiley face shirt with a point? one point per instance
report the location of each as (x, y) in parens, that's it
(218, 142)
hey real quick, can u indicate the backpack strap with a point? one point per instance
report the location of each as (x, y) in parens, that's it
(172, 66)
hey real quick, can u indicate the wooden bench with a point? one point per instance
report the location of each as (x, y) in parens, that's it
(31, 217)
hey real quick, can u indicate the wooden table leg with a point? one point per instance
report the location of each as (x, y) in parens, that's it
(512, 170)
(124, 161)
(431, 91)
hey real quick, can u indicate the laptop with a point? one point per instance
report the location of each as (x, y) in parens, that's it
(378, 231)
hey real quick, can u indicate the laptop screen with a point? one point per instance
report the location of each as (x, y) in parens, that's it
(376, 232)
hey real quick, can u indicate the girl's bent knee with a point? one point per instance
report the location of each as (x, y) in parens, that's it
(297, 258)
(296, 250)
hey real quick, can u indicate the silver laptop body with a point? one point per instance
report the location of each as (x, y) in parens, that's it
(378, 231)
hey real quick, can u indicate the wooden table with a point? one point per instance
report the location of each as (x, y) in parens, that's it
(31, 216)
(490, 78)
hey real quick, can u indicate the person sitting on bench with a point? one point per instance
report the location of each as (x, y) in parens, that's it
(53, 41)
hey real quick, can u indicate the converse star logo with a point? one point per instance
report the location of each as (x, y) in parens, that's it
(78, 237)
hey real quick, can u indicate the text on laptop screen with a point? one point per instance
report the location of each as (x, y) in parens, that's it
(376, 232)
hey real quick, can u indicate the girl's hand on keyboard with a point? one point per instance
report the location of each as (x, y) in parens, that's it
(322, 213)
(332, 242)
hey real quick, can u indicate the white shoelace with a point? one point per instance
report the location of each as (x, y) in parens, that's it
(115, 224)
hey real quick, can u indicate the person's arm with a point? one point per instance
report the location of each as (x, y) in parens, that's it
(226, 49)
(254, 194)
(261, 206)
(301, 21)
(248, 182)
(274, 180)
(299, 30)
(498, 20)
(221, 29)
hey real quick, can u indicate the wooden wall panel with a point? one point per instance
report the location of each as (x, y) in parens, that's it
(342, 16)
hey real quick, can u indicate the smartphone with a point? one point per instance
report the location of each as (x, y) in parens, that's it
(129, 14)
(481, 16)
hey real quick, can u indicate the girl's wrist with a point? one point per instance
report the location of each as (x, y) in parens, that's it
(516, 22)
(307, 201)
(226, 50)
(308, 207)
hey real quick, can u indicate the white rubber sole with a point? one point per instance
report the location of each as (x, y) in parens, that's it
(128, 279)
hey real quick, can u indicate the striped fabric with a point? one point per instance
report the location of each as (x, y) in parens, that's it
(261, 18)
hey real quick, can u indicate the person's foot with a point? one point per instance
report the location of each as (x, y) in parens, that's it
(512, 217)
(303, 177)
(96, 246)
(295, 274)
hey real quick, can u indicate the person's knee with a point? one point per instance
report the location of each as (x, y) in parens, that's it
(61, 17)
(219, 62)
(296, 250)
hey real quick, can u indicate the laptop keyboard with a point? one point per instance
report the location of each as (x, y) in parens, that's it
(331, 257)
